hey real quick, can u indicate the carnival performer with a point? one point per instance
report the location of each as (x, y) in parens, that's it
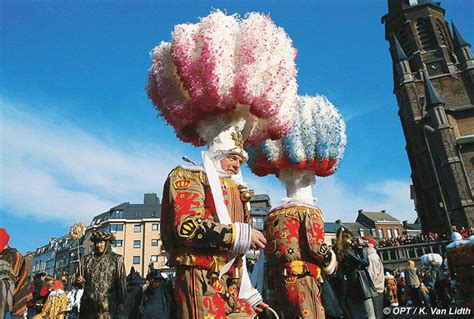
(295, 252)
(103, 280)
(222, 82)
(56, 304)
(391, 291)
(14, 288)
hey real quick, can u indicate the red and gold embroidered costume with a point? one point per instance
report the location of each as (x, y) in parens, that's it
(199, 245)
(295, 255)
(391, 291)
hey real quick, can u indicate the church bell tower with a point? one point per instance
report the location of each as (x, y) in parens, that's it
(433, 75)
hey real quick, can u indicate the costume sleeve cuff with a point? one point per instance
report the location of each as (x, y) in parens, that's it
(241, 238)
(254, 298)
(329, 269)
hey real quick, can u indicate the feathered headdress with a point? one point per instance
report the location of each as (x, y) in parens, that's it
(313, 146)
(315, 142)
(222, 72)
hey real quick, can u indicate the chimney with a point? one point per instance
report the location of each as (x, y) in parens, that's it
(360, 211)
(151, 199)
(383, 211)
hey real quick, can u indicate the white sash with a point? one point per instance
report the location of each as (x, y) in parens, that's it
(246, 291)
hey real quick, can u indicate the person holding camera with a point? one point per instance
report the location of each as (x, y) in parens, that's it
(352, 272)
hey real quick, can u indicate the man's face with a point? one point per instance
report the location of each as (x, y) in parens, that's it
(231, 164)
(100, 246)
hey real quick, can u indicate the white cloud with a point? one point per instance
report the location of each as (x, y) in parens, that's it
(53, 169)
(338, 200)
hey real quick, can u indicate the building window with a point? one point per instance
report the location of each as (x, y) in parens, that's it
(440, 30)
(425, 35)
(136, 260)
(136, 244)
(395, 232)
(154, 242)
(258, 222)
(404, 40)
(155, 226)
(138, 228)
(118, 243)
(116, 214)
(389, 233)
(154, 258)
(380, 233)
(113, 228)
(361, 232)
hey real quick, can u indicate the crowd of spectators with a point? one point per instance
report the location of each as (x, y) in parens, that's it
(430, 287)
(422, 238)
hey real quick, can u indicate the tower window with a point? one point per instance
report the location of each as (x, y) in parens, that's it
(402, 37)
(425, 35)
(440, 31)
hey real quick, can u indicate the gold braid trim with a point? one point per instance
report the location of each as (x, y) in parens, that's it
(293, 211)
(183, 173)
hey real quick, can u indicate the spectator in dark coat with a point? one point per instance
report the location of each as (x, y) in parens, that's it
(158, 300)
(352, 272)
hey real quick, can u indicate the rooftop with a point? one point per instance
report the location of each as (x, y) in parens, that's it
(151, 208)
(381, 216)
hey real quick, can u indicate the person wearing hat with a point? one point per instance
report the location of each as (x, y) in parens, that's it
(391, 291)
(239, 90)
(199, 245)
(103, 279)
(157, 300)
(14, 289)
(296, 255)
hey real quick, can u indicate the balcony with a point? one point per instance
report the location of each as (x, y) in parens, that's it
(397, 257)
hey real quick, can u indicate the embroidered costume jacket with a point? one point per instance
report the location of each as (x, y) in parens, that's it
(105, 285)
(295, 254)
(55, 305)
(198, 245)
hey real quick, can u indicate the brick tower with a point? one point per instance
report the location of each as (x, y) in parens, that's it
(433, 74)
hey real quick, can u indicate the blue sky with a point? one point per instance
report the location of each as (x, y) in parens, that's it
(78, 134)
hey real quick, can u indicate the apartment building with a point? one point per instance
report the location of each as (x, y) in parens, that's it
(137, 233)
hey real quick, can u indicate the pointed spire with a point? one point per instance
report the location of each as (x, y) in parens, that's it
(457, 37)
(398, 49)
(431, 96)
